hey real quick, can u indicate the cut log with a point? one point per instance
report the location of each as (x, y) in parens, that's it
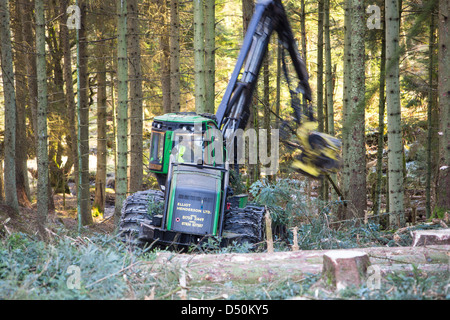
(293, 265)
(344, 268)
(430, 237)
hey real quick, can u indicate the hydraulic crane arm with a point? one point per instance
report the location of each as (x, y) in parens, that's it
(234, 109)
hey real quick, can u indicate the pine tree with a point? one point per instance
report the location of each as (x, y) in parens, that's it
(174, 56)
(443, 190)
(431, 106)
(22, 183)
(135, 98)
(165, 58)
(122, 77)
(100, 177)
(210, 47)
(84, 198)
(71, 107)
(10, 106)
(355, 158)
(42, 141)
(381, 124)
(346, 95)
(199, 57)
(395, 146)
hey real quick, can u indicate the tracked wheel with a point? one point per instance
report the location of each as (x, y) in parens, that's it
(136, 209)
(244, 225)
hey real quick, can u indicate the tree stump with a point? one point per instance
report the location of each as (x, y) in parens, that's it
(345, 268)
(430, 237)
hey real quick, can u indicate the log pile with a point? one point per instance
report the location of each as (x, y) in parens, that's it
(295, 265)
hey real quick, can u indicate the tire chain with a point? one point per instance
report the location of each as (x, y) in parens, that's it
(247, 222)
(135, 211)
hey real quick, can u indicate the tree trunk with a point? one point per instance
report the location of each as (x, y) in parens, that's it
(328, 69)
(165, 59)
(199, 57)
(42, 141)
(320, 89)
(320, 43)
(174, 56)
(381, 112)
(71, 107)
(83, 193)
(346, 100)
(22, 183)
(210, 47)
(443, 190)
(135, 98)
(27, 26)
(122, 77)
(100, 177)
(329, 81)
(278, 87)
(10, 107)
(355, 159)
(430, 108)
(395, 146)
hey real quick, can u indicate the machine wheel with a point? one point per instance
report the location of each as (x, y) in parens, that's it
(244, 224)
(135, 210)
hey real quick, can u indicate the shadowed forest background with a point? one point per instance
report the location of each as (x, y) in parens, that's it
(77, 103)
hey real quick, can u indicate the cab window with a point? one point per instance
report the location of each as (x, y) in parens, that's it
(157, 147)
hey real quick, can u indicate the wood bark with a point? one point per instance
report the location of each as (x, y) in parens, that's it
(199, 56)
(328, 69)
(22, 183)
(174, 56)
(100, 177)
(122, 121)
(381, 124)
(135, 98)
(329, 83)
(346, 99)
(431, 107)
(395, 146)
(42, 141)
(83, 122)
(344, 268)
(355, 157)
(431, 237)
(27, 8)
(210, 47)
(71, 107)
(165, 59)
(10, 107)
(320, 87)
(320, 45)
(443, 190)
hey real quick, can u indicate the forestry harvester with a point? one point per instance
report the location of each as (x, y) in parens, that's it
(188, 153)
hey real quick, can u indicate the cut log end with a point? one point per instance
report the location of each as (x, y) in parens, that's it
(431, 237)
(342, 269)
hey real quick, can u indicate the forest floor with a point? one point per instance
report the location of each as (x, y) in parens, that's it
(110, 270)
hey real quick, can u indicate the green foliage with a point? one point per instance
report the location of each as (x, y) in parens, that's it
(285, 199)
(155, 207)
(35, 270)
